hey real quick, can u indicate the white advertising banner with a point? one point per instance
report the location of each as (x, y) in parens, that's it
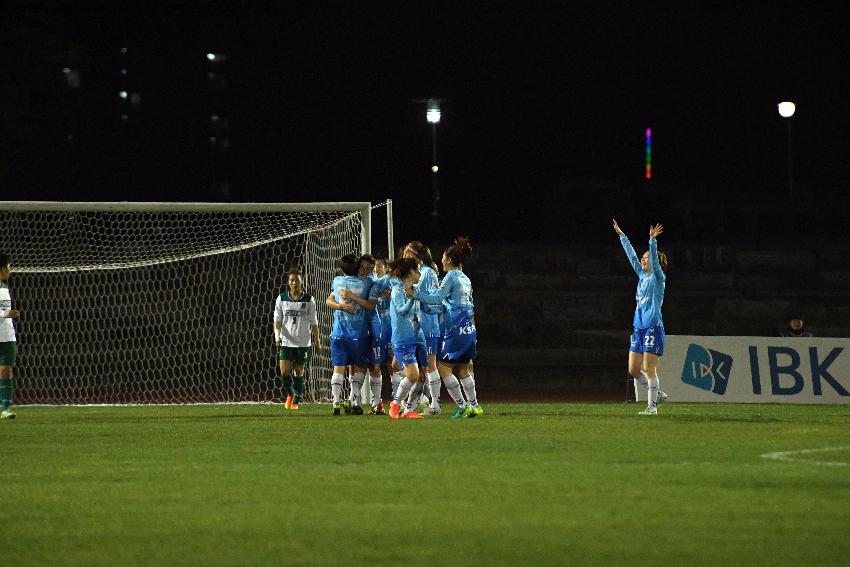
(756, 370)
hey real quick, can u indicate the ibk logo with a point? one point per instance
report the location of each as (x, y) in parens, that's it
(707, 369)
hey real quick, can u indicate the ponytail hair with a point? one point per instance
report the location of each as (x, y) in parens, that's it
(4, 259)
(421, 252)
(459, 250)
(401, 267)
(663, 260)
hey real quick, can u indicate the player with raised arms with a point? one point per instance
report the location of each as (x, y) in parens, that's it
(8, 341)
(407, 340)
(296, 329)
(429, 319)
(350, 334)
(459, 334)
(647, 342)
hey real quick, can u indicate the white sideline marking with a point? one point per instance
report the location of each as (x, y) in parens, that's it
(788, 456)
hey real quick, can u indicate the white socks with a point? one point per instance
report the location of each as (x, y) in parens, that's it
(375, 385)
(415, 392)
(453, 388)
(640, 384)
(434, 383)
(356, 387)
(395, 380)
(336, 387)
(653, 392)
(469, 389)
(401, 391)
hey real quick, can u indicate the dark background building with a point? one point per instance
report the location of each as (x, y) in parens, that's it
(543, 119)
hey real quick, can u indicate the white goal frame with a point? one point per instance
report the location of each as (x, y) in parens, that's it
(363, 209)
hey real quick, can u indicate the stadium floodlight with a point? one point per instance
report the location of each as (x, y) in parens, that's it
(177, 296)
(433, 115)
(786, 109)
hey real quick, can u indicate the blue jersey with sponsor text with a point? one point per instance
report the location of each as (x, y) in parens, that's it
(455, 293)
(351, 325)
(429, 316)
(650, 288)
(403, 311)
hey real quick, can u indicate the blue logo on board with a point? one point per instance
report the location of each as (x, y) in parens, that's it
(707, 369)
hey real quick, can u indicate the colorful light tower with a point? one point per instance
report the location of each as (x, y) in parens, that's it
(649, 153)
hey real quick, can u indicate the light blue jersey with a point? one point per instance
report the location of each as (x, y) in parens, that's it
(351, 325)
(380, 318)
(650, 288)
(403, 312)
(455, 293)
(429, 317)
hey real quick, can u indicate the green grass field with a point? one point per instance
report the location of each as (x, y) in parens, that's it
(525, 484)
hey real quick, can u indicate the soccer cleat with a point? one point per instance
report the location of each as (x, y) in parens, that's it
(661, 398)
(346, 407)
(394, 410)
(337, 407)
(478, 410)
(411, 414)
(469, 412)
(294, 406)
(288, 403)
(459, 412)
(431, 411)
(378, 410)
(651, 410)
(356, 410)
(7, 414)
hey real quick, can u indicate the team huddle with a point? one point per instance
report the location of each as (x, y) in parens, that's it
(396, 316)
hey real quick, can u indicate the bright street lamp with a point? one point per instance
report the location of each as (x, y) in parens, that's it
(786, 110)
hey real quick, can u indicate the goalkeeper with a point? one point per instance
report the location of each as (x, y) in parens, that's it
(296, 329)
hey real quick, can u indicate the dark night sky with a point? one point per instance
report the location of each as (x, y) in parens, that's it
(542, 131)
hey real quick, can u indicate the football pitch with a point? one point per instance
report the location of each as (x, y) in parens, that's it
(524, 484)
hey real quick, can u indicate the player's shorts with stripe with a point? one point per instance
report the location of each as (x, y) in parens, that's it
(410, 353)
(297, 355)
(648, 340)
(8, 353)
(432, 345)
(350, 351)
(459, 343)
(380, 354)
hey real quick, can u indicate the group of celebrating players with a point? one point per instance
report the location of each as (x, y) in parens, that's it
(394, 315)
(401, 317)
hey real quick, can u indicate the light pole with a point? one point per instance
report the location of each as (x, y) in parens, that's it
(786, 111)
(432, 115)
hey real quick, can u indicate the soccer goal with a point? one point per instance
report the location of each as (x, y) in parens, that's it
(166, 302)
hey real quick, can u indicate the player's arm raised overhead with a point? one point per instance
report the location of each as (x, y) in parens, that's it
(628, 248)
(654, 260)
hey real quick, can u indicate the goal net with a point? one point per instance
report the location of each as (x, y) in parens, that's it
(166, 302)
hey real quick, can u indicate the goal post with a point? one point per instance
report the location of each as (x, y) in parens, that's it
(167, 302)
